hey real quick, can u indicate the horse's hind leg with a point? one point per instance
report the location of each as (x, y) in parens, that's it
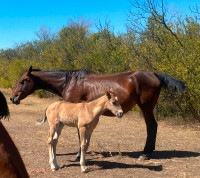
(151, 136)
(151, 126)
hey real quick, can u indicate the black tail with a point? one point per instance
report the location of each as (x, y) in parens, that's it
(4, 111)
(170, 82)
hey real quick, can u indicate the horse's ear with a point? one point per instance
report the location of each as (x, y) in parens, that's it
(29, 70)
(108, 94)
(111, 90)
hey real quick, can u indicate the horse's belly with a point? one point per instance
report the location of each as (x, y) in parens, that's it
(69, 120)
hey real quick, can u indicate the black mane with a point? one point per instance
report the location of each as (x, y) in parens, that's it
(84, 71)
(68, 74)
(78, 73)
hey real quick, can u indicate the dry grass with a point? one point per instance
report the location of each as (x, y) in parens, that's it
(115, 145)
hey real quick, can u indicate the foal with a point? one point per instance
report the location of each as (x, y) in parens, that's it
(84, 116)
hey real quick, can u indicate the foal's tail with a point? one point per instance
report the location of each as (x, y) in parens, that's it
(40, 122)
(169, 82)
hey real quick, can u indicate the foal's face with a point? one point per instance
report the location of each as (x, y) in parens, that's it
(23, 88)
(113, 104)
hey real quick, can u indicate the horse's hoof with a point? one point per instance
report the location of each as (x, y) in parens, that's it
(55, 169)
(84, 170)
(144, 157)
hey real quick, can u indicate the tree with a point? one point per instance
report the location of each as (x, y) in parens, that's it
(169, 47)
(145, 9)
(44, 34)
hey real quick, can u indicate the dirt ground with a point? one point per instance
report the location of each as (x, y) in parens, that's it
(115, 145)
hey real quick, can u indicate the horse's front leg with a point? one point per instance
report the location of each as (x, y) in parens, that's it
(55, 141)
(52, 156)
(88, 136)
(83, 148)
(151, 125)
(87, 143)
(79, 152)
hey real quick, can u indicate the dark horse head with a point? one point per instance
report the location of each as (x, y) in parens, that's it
(4, 111)
(23, 88)
(54, 81)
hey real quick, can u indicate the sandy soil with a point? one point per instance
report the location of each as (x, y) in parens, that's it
(115, 145)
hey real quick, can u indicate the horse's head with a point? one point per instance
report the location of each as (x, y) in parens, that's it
(113, 105)
(24, 87)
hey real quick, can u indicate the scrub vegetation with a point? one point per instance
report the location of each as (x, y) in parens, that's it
(156, 39)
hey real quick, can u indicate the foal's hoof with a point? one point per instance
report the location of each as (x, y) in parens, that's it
(55, 169)
(84, 171)
(144, 157)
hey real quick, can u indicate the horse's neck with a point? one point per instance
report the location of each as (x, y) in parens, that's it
(98, 105)
(50, 82)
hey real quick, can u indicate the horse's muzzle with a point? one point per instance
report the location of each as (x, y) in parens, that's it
(119, 114)
(14, 100)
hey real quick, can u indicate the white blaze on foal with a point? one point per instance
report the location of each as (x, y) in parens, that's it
(84, 116)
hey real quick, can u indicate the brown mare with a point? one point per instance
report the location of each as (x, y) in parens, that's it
(137, 87)
(83, 116)
(11, 163)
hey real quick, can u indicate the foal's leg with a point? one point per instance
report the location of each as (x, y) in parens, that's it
(55, 141)
(87, 144)
(88, 136)
(83, 148)
(79, 152)
(54, 165)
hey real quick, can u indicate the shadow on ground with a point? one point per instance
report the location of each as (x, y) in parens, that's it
(167, 154)
(113, 165)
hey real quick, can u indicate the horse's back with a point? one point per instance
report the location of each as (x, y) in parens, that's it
(131, 87)
(64, 106)
(64, 112)
(145, 78)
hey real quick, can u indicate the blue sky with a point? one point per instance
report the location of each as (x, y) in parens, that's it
(19, 20)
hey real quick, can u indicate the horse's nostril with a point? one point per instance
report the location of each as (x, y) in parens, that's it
(11, 99)
(120, 114)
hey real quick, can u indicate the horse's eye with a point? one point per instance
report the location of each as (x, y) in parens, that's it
(114, 103)
(22, 82)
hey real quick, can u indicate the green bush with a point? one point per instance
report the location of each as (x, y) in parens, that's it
(75, 46)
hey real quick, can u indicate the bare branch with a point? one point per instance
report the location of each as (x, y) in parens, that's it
(196, 10)
(143, 10)
(44, 33)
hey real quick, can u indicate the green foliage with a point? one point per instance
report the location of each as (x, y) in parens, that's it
(156, 49)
